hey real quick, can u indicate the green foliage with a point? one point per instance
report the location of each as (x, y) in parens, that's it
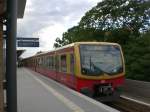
(114, 14)
(137, 56)
(126, 22)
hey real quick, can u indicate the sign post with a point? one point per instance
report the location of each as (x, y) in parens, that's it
(11, 78)
(1, 70)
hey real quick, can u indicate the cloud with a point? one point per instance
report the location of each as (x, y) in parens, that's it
(48, 19)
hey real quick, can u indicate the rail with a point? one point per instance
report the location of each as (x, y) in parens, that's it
(126, 104)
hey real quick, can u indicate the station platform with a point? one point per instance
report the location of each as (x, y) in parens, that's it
(37, 93)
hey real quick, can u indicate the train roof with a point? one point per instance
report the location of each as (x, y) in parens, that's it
(73, 44)
(78, 43)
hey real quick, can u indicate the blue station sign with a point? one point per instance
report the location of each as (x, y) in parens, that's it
(27, 42)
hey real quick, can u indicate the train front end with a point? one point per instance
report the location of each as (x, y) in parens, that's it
(100, 69)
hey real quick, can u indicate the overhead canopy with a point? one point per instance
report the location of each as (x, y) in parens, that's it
(2, 7)
(21, 7)
(19, 53)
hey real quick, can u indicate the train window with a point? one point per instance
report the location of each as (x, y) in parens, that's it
(57, 63)
(34, 62)
(46, 62)
(72, 63)
(50, 62)
(38, 60)
(41, 62)
(54, 63)
(63, 63)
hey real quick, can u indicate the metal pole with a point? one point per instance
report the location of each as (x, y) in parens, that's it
(1, 70)
(11, 85)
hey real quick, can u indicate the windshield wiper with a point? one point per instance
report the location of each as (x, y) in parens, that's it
(97, 70)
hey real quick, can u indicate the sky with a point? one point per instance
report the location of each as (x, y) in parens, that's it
(48, 19)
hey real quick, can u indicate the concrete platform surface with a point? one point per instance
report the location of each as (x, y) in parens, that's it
(37, 93)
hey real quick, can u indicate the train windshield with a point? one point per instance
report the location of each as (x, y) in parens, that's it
(100, 59)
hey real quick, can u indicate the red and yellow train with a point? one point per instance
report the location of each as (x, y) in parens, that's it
(93, 68)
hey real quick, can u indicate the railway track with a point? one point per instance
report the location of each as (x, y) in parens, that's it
(126, 104)
(137, 89)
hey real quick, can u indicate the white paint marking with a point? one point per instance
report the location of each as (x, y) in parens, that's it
(67, 102)
(100, 105)
(131, 99)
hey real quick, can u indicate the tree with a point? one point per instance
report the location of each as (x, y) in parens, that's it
(114, 14)
(58, 42)
(111, 20)
(137, 55)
